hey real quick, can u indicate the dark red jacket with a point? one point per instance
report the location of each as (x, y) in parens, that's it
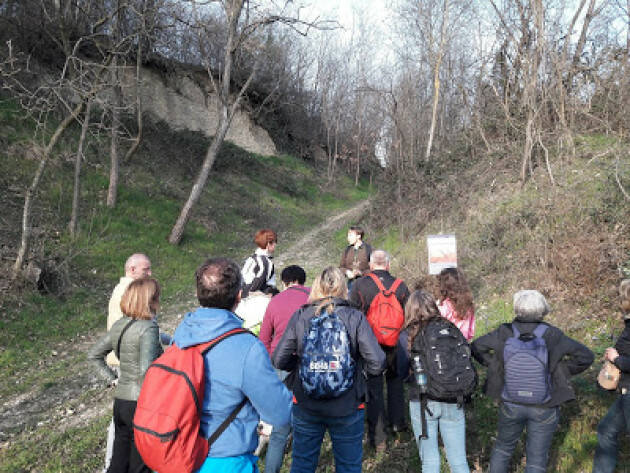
(279, 312)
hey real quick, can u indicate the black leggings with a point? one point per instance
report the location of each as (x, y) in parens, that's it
(125, 458)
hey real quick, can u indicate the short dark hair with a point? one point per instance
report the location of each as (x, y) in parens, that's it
(218, 283)
(293, 273)
(358, 230)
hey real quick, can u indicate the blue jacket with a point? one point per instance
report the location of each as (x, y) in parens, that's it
(238, 366)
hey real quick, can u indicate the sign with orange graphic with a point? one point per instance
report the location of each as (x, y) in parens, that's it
(442, 250)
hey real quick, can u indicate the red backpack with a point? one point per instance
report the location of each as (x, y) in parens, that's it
(385, 314)
(168, 413)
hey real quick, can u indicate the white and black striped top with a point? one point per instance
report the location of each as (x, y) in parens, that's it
(258, 273)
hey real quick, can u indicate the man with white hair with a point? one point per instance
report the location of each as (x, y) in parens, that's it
(363, 292)
(137, 266)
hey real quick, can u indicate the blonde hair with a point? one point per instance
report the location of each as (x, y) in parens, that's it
(141, 300)
(624, 294)
(331, 283)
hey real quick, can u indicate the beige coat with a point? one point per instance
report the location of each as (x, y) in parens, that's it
(114, 313)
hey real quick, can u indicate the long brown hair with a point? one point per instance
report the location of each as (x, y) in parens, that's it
(419, 309)
(330, 283)
(453, 286)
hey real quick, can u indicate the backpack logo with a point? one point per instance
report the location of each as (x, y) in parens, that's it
(385, 314)
(526, 367)
(326, 367)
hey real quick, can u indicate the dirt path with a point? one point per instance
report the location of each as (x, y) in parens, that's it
(311, 251)
(75, 397)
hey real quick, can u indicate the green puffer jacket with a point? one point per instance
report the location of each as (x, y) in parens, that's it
(140, 345)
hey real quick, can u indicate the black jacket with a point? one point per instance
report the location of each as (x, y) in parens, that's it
(369, 358)
(567, 357)
(364, 290)
(623, 361)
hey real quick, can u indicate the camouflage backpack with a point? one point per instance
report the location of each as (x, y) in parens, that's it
(327, 367)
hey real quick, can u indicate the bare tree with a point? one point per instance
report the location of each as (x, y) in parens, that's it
(74, 216)
(242, 22)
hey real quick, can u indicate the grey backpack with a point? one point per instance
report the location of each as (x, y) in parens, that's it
(526, 367)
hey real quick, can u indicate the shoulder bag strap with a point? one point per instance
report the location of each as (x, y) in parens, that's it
(129, 324)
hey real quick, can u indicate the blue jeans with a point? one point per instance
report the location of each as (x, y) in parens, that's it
(608, 430)
(277, 440)
(345, 432)
(452, 427)
(541, 424)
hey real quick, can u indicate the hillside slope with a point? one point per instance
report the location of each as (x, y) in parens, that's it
(570, 240)
(53, 413)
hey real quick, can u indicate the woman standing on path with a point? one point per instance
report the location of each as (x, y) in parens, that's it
(617, 420)
(135, 340)
(327, 346)
(456, 301)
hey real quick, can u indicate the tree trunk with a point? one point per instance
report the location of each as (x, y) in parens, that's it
(436, 79)
(72, 227)
(233, 10)
(112, 191)
(195, 194)
(138, 139)
(32, 189)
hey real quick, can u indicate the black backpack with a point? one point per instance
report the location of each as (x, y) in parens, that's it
(446, 357)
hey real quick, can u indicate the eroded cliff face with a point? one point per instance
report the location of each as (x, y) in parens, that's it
(188, 104)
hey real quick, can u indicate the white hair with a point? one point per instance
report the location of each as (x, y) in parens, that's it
(379, 258)
(135, 259)
(530, 305)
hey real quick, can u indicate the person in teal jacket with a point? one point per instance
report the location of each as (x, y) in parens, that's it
(238, 367)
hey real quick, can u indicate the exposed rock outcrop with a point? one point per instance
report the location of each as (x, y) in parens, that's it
(188, 104)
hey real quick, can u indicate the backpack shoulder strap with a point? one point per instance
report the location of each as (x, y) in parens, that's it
(394, 287)
(129, 324)
(205, 347)
(215, 435)
(540, 330)
(377, 281)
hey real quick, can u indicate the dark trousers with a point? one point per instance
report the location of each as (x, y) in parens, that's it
(541, 423)
(125, 458)
(614, 423)
(375, 408)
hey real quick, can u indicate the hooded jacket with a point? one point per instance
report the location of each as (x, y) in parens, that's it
(237, 367)
(567, 358)
(366, 352)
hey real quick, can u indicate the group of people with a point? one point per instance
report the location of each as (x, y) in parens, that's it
(325, 354)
